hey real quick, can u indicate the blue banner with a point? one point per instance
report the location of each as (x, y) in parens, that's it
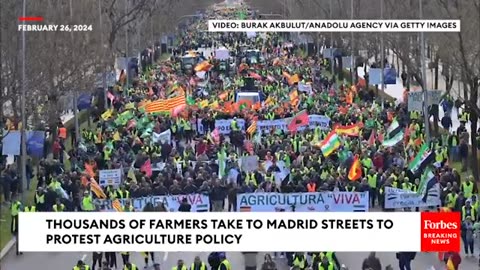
(390, 76)
(375, 76)
(199, 202)
(303, 202)
(35, 143)
(11, 143)
(84, 101)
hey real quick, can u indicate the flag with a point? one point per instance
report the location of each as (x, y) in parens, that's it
(203, 66)
(350, 130)
(131, 175)
(299, 120)
(166, 105)
(95, 188)
(147, 168)
(89, 170)
(394, 129)
(450, 265)
(355, 171)
(330, 144)
(371, 139)
(117, 205)
(293, 79)
(252, 128)
(107, 114)
(294, 98)
(427, 181)
(394, 140)
(254, 75)
(422, 159)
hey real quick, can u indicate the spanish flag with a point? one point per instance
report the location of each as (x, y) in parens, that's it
(166, 105)
(350, 130)
(294, 98)
(203, 66)
(450, 265)
(355, 172)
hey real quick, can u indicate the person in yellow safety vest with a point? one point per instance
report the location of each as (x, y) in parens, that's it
(122, 193)
(81, 266)
(468, 187)
(464, 117)
(372, 179)
(330, 255)
(15, 208)
(451, 199)
(130, 266)
(30, 209)
(350, 187)
(269, 177)
(224, 263)
(475, 204)
(198, 264)
(234, 125)
(87, 202)
(58, 206)
(128, 207)
(300, 261)
(145, 256)
(251, 179)
(406, 185)
(326, 264)
(125, 257)
(180, 266)
(40, 199)
(468, 211)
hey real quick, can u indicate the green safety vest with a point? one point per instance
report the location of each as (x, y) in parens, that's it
(330, 266)
(127, 194)
(134, 267)
(473, 214)
(300, 263)
(227, 264)
(86, 267)
(15, 208)
(40, 198)
(467, 189)
(351, 189)
(250, 178)
(30, 209)
(87, 203)
(202, 266)
(372, 180)
(450, 200)
(56, 208)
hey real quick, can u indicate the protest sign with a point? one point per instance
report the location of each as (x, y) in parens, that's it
(199, 202)
(110, 177)
(303, 202)
(399, 198)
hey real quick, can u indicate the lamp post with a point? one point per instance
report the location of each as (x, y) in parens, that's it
(127, 62)
(332, 64)
(352, 53)
(75, 91)
(104, 74)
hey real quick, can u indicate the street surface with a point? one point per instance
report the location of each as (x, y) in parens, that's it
(353, 260)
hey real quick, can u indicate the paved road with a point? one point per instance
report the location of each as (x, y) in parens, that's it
(65, 261)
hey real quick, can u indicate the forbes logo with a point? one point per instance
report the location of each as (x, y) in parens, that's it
(441, 225)
(440, 232)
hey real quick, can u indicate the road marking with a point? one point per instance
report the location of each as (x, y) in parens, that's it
(84, 257)
(165, 256)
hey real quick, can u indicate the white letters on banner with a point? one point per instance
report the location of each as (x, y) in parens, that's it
(266, 125)
(399, 198)
(303, 202)
(199, 202)
(164, 137)
(110, 177)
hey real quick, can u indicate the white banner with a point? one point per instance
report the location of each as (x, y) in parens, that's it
(199, 202)
(164, 137)
(399, 198)
(303, 202)
(415, 99)
(264, 126)
(110, 177)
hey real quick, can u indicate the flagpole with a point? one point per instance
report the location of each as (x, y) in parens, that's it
(424, 78)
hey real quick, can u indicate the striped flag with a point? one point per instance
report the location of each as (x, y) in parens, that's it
(117, 205)
(166, 105)
(252, 128)
(97, 189)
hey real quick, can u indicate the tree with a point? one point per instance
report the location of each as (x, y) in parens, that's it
(464, 52)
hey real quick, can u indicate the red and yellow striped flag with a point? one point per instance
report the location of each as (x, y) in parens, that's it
(97, 189)
(252, 128)
(166, 105)
(117, 205)
(294, 98)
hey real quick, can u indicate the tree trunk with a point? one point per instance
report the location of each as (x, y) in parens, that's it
(473, 124)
